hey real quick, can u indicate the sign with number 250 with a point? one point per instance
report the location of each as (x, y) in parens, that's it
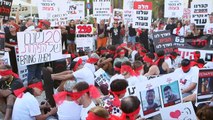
(84, 29)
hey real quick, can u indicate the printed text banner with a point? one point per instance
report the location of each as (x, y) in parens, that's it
(173, 8)
(39, 47)
(101, 9)
(142, 15)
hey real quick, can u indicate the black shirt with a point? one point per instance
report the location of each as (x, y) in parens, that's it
(14, 85)
(23, 28)
(11, 39)
(71, 33)
(132, 31)
(170, 27)
(115, 32)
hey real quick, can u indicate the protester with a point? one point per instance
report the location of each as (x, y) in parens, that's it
(121, 56)
(138, 69)
(160, 62)
(26, 106)
(179, 29)
(192, 31)
(149, 67)
(115, 34)
(132, 34)
(170, 25)
(9, 82)
(29, 23)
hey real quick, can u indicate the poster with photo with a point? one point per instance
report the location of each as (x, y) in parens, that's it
(205, 86)
(117, 14)
(101, 77)
(151, 101)
(170, 94)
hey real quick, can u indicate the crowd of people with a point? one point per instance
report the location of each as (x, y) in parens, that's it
(123, 52)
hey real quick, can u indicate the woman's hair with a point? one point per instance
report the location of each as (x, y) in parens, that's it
(205, 113)
(100, 112)
(160, 54)
(181, 24)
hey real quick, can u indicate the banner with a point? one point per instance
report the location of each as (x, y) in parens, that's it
(84, 37)
(75, 9)
(173, 8)
(2, 43)
(186, 14)
(154, 96)
(5, 8)
(205, 86)
(101, 77)
(200, 11)
(101, 9)
(39, 47)
(163, 41)
(142, 15)
(183, 111)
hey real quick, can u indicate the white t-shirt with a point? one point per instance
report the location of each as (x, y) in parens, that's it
(84, 59)
(134, 52)
(90, 66)
(84, 111)
(142, 78)
(65, 113)
(181, 31)
(187, 78)
(174, 64)
(132, 81)
(84, 74)
(26, 108)
(209, 65)
(116, 76)
(208, 29)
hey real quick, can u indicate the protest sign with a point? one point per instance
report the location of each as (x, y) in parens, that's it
(101, 77)
(200, 11)
(173, 8)
(128, 6)
(5, 8)
(205, 86)
(6, 58)
(186, 14)
(117, 14)
(154, 96)
(75, 9)
(84, 37)
(60, 18)
(130, 91)
(101, 9)
(2, 42)
(22, 69)
(163, 41)
(39, 47)
(183, 111)
(142, 15)
(189, 53)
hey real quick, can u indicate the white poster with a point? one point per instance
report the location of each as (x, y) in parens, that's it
(117, 14)
(84, 37)
(75, 9)
(101, 77)
(128, 6)
(39, 47)
(200, 11)
(186, 13)
(183, 111)
(6, 58)
(142, 15)
(158, 93)
(189, 53)
(173, 8)
(101, 9)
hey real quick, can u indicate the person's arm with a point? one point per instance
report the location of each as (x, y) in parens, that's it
(106, 61)
(63, 73)
(45, 116)
(129, 50)
(17, 17)
(153, 71)
(190, 88)
(189, 98)
(62, 77)
(9, 45)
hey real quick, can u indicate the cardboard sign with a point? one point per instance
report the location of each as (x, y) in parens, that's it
(84, 37)
(205, 86)
(173, 8)
(154, 96)
(142, 15)
(183, 111)
(5, 7)
(101, 77)
(163, 41)
(39, 47)
(2, 42)
(101, 9)
(200, 11)
(75, 10)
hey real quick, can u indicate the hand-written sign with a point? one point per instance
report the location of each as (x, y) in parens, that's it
(47, 7)
(142, 15)
(200, 11)
(75, 9)
(173, 8)
(163, 41)
(39, 47)
(5, 7)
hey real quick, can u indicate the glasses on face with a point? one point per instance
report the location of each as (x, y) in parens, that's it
(115, 23)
